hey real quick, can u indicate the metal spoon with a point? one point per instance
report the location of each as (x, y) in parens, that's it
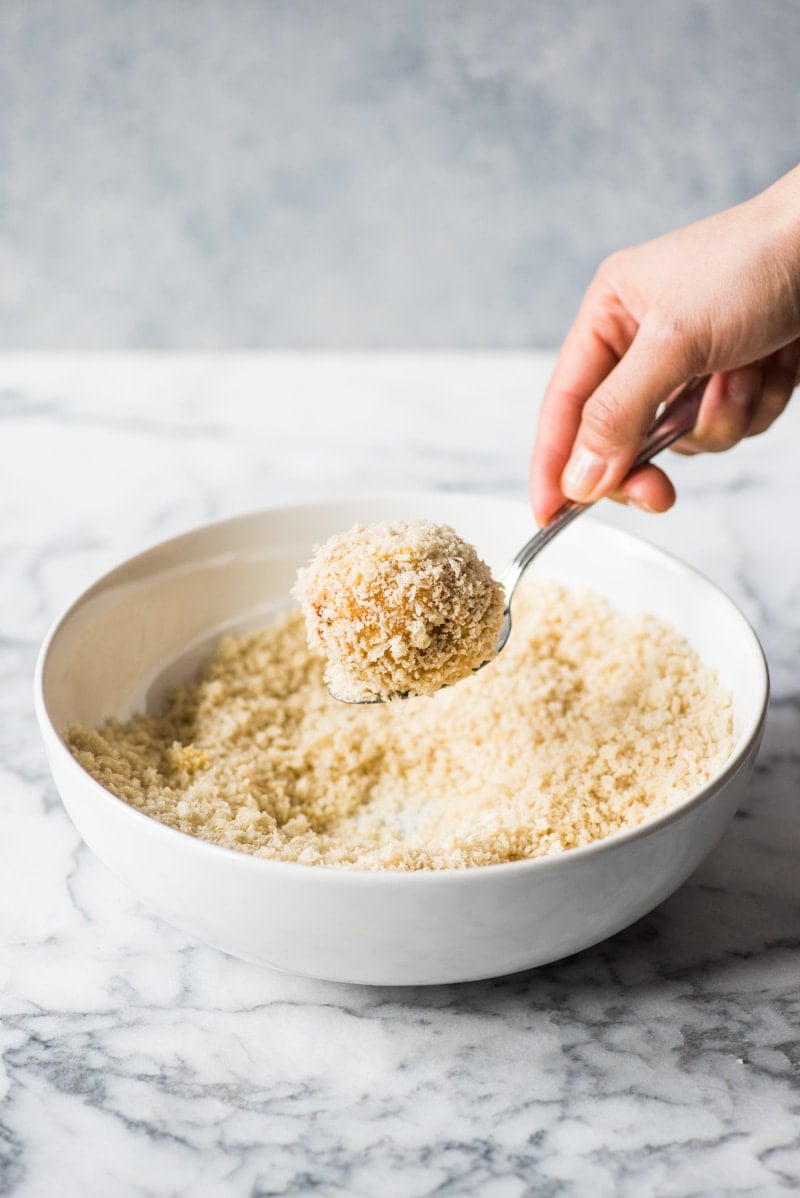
(676, 420)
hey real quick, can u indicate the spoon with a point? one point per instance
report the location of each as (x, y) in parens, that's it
(677, 419)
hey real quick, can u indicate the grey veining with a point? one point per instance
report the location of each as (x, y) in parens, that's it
(134, 1061)
(357, 174)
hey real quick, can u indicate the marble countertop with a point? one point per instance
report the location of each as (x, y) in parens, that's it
(136, 1061)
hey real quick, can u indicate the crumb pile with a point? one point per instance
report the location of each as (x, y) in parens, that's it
(588, 722)
(399, 608)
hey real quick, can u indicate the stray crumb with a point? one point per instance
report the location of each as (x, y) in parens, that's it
(588, 722)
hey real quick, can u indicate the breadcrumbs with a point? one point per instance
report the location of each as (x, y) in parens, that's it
(588, 722)
(399, 608)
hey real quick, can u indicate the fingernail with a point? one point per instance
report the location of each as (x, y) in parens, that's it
(631, 501)
(583, 472)
(739, 391)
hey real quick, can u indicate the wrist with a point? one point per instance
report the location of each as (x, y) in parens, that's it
(778, 212)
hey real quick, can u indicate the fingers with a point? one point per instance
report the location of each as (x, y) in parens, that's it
(737, 403)
(780, 379)
(648, 489)
(743, 403)
(727, 410)
(584, 361)
(617, 415)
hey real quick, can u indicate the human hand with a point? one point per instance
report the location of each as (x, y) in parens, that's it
(719, 297)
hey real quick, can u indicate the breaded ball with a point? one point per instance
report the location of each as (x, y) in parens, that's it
(400, 608)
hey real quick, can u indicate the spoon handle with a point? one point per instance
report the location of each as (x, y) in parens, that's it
(677, 419)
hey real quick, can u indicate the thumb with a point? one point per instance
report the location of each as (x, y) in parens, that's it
(617, 415)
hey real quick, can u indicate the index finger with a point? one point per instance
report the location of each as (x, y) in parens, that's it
(584, 360)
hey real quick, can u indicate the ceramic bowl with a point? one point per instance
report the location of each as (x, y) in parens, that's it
(152, 621)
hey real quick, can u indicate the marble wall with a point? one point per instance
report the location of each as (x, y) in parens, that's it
(356, 173)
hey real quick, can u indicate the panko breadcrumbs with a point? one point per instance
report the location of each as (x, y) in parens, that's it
(588, 722)
(401, 607)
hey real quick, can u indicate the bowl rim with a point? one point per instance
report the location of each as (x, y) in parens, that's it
(358, 876)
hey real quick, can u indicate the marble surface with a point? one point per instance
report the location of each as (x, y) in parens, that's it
(264, 173)
(138, 1062)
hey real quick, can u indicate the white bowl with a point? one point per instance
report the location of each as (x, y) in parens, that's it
(150, 622)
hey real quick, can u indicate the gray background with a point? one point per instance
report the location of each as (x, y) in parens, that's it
(361, 173)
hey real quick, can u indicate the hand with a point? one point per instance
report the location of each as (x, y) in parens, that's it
(720, 297)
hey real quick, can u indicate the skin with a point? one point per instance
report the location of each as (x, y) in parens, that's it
(719, 297)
